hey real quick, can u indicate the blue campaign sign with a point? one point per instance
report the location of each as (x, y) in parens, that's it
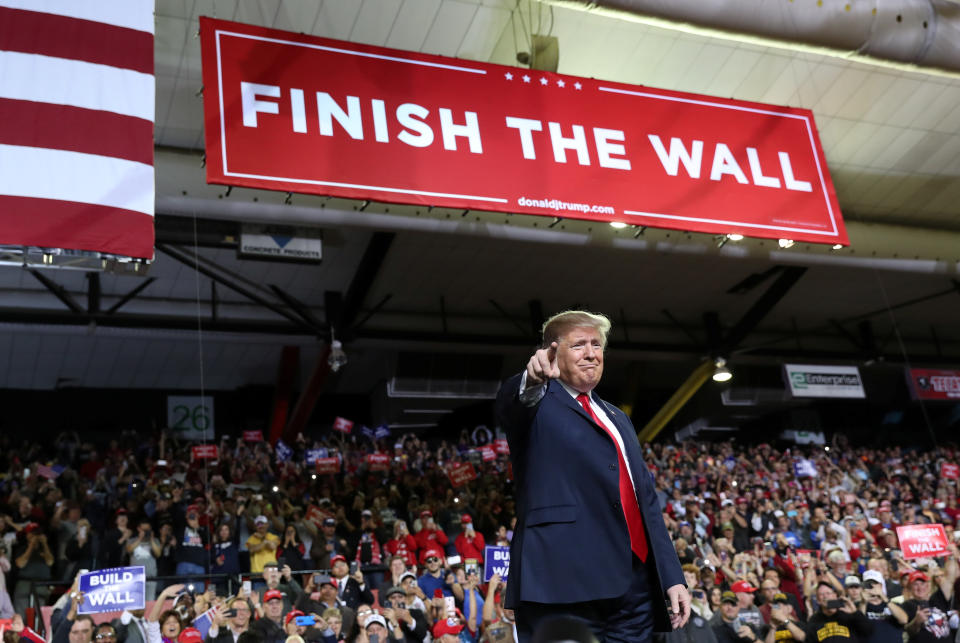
(496, 560)
(112, 590)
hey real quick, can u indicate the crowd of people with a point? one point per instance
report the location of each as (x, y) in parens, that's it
(770, 549)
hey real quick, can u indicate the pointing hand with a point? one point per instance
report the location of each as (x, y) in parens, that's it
(543, 366)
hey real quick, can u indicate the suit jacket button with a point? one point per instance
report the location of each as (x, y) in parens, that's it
(613, 467)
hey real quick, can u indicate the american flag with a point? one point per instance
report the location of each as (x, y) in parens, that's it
(47, 472)
(76, 125)
(342, 424)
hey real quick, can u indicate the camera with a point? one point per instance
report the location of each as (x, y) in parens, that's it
(836, 603)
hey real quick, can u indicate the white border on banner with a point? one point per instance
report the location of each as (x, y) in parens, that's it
(223, 133)
(227, 172)
(813, 148)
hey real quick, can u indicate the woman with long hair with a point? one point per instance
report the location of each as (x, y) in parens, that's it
(291, 550)
(402, 544)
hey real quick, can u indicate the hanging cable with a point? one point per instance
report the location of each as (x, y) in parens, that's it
(903, 351)
(206, 441)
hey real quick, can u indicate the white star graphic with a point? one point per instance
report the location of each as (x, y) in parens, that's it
(577, 86)
(526, 78)
(508, 76)
(544, 81)
(560, 83)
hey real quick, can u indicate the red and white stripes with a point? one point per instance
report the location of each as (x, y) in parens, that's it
(76, 125)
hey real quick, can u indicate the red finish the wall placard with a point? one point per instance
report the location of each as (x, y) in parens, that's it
(297, 113)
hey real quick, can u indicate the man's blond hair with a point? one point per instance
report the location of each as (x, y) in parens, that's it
(562, 323)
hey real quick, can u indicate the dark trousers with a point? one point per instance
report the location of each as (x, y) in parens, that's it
(627, 618)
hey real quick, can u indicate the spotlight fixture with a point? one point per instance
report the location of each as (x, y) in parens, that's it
(735, 236)
(838, 246)
(721, 373)
(785, 243)
(337, 358)
(619, 225)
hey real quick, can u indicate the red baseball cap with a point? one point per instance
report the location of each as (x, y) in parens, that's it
(272, 594)
(426, 513)
(427, 553)
(190, 635)
(917, 575)
(743, 586)
(337, 558)
(292, 614)
(466, 519)
(447, 626)
(31, 527)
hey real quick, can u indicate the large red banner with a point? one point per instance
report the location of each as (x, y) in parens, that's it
(297, 113)
(922, 541)
(935, 384)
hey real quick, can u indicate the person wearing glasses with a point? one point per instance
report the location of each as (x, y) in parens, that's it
(434, 577)
(105, 634)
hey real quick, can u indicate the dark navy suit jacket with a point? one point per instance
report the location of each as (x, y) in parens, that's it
(571, 542)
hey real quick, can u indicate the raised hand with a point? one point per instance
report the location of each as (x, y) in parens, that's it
(543, 366)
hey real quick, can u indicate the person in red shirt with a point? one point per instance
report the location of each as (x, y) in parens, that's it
(402, 544)
(429, 535)
(469, 542)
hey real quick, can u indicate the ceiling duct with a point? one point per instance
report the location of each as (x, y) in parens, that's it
(907, 34)
(445, 376)
(544, 54)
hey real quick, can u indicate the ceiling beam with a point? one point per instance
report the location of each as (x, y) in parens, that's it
(363, 278)
(58, 291)
(131, 320)
(130, 295)
(249, 294)
(93, 293)
(777, 290)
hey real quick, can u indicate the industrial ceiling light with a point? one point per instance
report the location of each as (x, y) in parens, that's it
(721, 373)
(838, 246)
(337, 358)
(619, 225)
(735, 236)
(785, 243)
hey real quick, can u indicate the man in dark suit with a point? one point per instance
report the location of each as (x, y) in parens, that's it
(590, 539)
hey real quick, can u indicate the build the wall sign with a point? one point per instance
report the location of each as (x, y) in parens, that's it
(298, 113)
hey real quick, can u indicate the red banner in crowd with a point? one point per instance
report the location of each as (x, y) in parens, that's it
(328, 465)
(293, 112)
(950, 471)
(935, 384)
(378, 461)
(205, 452)
(253, 436)
(922, 541)
(488, 454)
(343, 425)
(501, 446)
(461, 473)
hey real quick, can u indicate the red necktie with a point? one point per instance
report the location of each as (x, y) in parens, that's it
(628, 497)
